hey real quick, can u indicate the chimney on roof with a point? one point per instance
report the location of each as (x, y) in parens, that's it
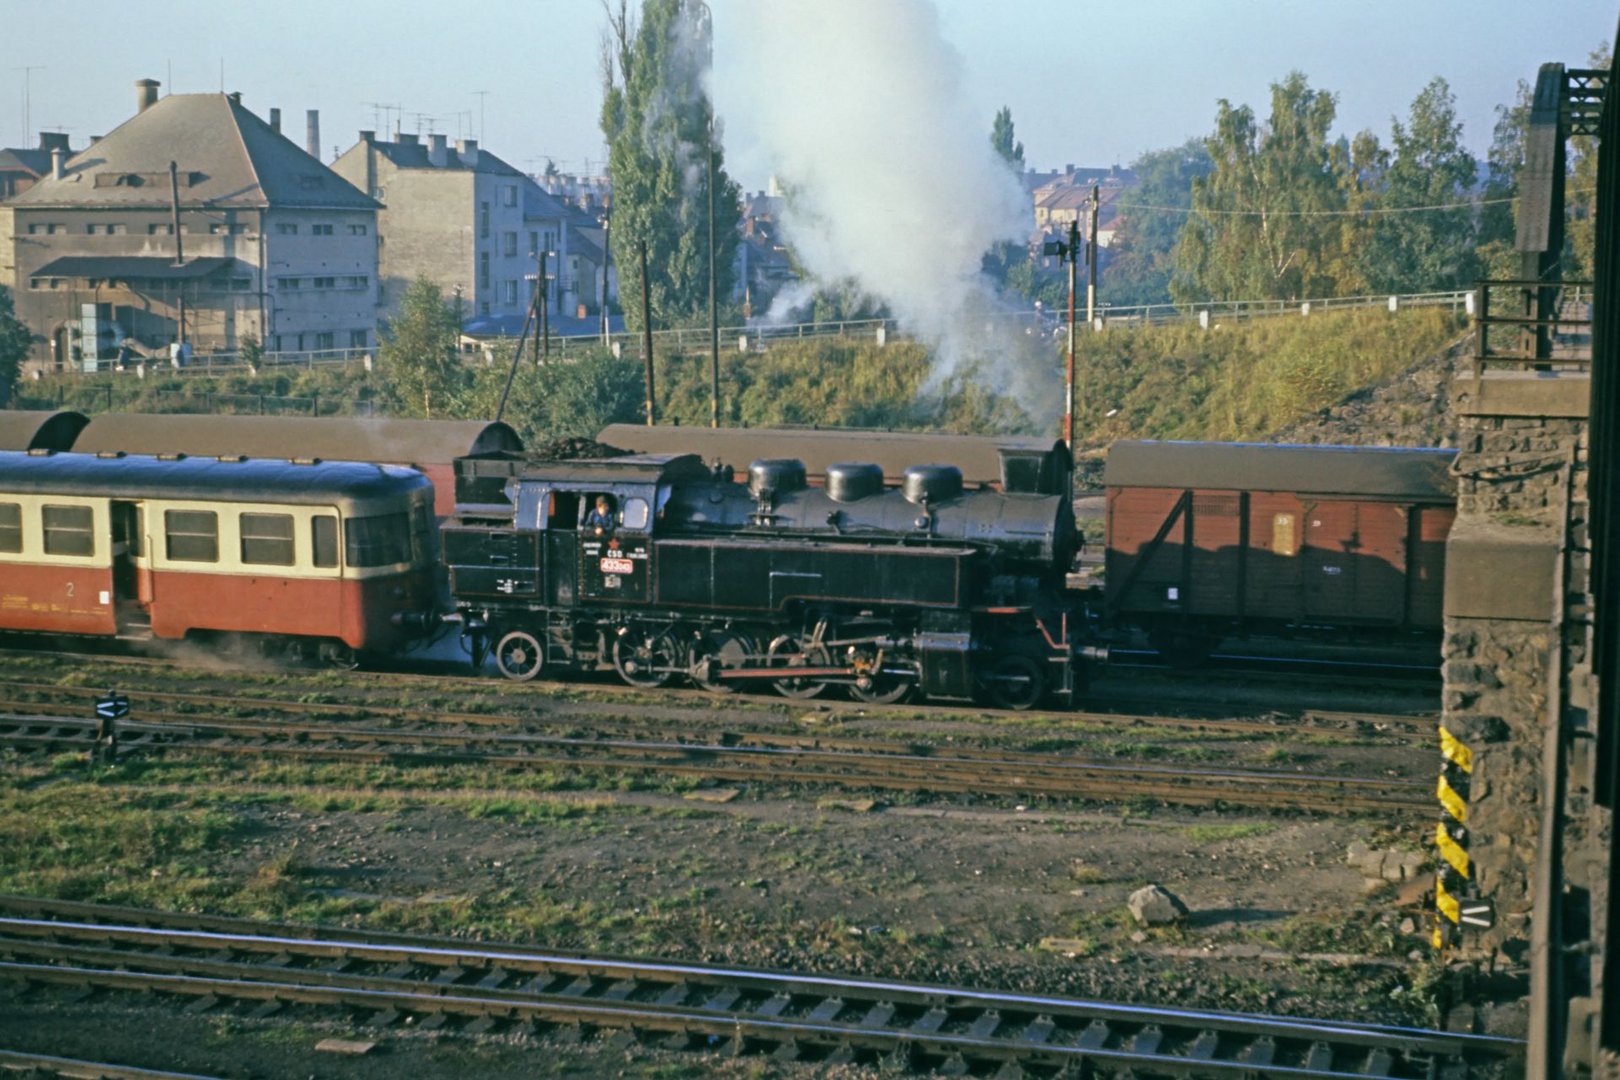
(235, 96)
(436, 151)
(275, 121)
(57, 157)
(1069, 168)
(312, 133)
(368, 137)
(145, 94)
(95, 139)
(406, 138)
(50, 140)
(468, 150)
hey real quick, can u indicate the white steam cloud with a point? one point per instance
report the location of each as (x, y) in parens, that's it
(858, 107)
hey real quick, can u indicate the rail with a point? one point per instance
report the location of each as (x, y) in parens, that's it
(439, 983)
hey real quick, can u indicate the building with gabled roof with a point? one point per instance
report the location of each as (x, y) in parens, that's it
(21, 168)
(192, 222)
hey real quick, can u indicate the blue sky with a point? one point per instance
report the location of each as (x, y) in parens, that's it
(1087, 82)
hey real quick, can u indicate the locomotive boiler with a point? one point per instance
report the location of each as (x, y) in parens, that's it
(883, 592)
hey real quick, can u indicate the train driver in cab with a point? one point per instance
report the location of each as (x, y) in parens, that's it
(600, 520)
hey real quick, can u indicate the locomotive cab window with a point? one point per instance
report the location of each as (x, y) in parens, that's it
(562, 510)
(267, 539)
(10, 528)
(191, 535)
(634, 514)
(323, 541)
(68, 531)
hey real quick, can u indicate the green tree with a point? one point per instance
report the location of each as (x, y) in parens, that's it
(1424, 249)
(15, 339)
(418, 353)
(1264, 222)
(659, 126)
(1152, 215)
(1580, 192)
(1001, 137)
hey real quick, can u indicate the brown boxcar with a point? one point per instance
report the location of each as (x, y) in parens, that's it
(1208, 540)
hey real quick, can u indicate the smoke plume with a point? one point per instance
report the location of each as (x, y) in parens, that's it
(858, 107)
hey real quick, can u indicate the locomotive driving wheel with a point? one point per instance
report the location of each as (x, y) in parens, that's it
(519, 655)
(1014, 681)
(645, 657)
(715, 650)
(876, 686)
(786, 651)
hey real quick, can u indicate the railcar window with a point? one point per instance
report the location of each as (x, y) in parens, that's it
(267, 539)
(323, 540)
(191, 535)
(68, 531)
(378, 541)
(10, 527)
(421, 531)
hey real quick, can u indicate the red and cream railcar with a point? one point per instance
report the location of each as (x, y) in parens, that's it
(319, 554)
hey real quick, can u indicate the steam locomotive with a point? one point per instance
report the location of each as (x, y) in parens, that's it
(883, 592)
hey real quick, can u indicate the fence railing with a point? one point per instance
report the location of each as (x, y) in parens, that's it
(1533, 324)
(757, 335)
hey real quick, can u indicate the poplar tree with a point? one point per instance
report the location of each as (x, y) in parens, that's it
(1003, 139)
(417, 356)
(659, 126)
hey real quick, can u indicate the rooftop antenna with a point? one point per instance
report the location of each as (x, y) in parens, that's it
(480, 95)
(28, 103)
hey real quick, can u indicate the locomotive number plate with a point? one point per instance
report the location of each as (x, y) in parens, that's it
(618, 566)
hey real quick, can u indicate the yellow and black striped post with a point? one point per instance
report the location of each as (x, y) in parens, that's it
(1454, 881)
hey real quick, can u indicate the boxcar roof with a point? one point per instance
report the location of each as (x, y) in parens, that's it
(630, 469)
(134, 477)
(1370, 471)
(393, 442)
(978, 456)
(44, 430)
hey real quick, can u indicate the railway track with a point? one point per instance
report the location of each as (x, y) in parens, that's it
(12, 1061)
(385, 980)
(733, 757)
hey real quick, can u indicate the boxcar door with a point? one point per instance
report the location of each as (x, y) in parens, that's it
(1328, 560)
(615, 564)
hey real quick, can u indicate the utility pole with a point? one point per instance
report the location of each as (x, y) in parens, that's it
(714, 318)
(603, 306)
(28, 101)
(1091, 259)
(544, 297)
(481, 95)
(179, 241)
(646, 336)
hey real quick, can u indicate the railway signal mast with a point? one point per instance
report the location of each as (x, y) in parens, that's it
(1069, 252)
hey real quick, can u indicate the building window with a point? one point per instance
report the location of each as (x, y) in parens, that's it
(191, 535)
(511, 292)
(483, 221)
(68, 531)
(509, 195)
(323, 540)
(326, 339)
(320, 230)
(228, 230)
(483, 307)
(358, 339)
(45, 228)
(325, 283)
(286, 228)
(162, 230)
(241, 284)
(10, 527)
(534, 242)
(357, 281)
(509, 244)
(275, 342)
(267, 539)
(357, 230)
(483, 269)
(289, 283)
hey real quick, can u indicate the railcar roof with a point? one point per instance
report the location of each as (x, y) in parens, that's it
(978, 456)
(629, 469)
(44, 430)
(253, 480)
(1368, 471)
(395, 442)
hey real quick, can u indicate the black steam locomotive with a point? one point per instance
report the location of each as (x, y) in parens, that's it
(882, 591)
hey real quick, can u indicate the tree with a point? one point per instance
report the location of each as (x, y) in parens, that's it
(1424, 249)
(1151, 216)
(418, 353)
(659, 126)
(1266, 222)
(15, 339)
(1001, 137)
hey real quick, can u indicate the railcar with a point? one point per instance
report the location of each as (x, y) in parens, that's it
(312, 557)
(1207, 541)
(879, 591)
